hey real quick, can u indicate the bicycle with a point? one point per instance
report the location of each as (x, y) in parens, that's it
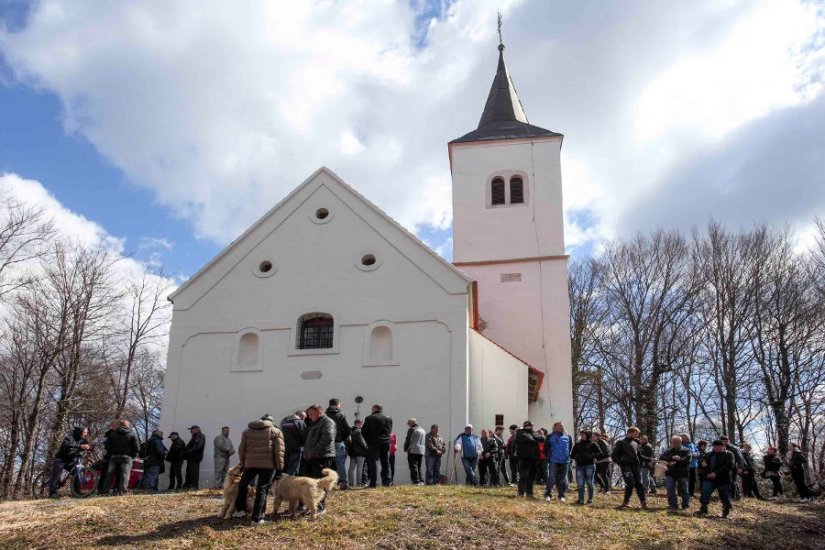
(80, 479)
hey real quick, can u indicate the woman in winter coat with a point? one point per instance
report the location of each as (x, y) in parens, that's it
(585, 452)
(772, 464)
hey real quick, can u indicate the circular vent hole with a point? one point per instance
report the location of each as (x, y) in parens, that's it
(265, 267)
(368, 260)
(322, 213)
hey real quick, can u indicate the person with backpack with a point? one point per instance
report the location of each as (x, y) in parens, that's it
(585, 453)
(797, 463)
(435, 449)
(122, 447)
(557, 448)
(719, 465)
(626, 456)
(357, 450)
(467, 447)
(677, 458)
(153, 463)
(527, 450)
(175, 458)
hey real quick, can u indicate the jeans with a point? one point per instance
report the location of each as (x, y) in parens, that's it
(175, 475)
(708, 487)
(356, 466)
(123, 465)
(414, 461)
(526, 476)
(674, 486)
(57, 469)
(341, 461)
(264, 476)
(556, 476)
(584, 476)
(379, 453)
(469, 469)
(433, 469)
(633, 479)
(221, 466)
(647, 481)
(293, 462)
(150, 477)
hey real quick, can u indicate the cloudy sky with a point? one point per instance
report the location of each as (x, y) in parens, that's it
(172, 126)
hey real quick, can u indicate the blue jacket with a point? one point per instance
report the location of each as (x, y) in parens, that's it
(560, 447)
(694, 454)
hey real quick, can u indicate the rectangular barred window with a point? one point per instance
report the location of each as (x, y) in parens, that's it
(497, 191)
(516, 191)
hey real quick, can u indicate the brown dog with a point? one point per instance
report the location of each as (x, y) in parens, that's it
(230, 493)
(304, 489)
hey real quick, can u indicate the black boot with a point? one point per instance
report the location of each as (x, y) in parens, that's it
(703, 511)
(725, 512)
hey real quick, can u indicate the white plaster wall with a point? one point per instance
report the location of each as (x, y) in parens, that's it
(530, 319)
(517, 231)
(498, 385)
(316, 271)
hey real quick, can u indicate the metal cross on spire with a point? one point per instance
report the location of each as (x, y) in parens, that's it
(500, 40)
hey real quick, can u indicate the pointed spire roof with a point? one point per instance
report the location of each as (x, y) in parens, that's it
(503, 116)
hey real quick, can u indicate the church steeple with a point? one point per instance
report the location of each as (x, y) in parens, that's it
(503, 104)
(503, 116)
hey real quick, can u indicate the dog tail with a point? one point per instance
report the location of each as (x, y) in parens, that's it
(329, 480)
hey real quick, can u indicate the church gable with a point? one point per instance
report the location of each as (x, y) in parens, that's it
(322, 231)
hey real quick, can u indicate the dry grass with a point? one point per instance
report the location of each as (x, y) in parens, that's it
(405, 517)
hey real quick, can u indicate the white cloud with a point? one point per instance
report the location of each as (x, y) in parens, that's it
(221, 109)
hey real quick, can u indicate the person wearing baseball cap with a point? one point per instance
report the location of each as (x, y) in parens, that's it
(527, 450)
(719, 462)
(194, 456)
(175, 457)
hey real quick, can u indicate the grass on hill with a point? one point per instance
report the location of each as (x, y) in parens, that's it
(406, 517)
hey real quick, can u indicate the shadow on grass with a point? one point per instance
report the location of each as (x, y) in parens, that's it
(173, 530)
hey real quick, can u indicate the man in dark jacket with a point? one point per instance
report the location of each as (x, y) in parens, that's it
(527, 449)
(104, 465)
(646, 456)
(750, 488)
(501, 462)
(626, 456)
(194, 455)
(376, 431)
(487, 462)
(738, 466)
(603, 462)
(719, 465)
(511, 456)
(342, 431)
(122, 447)
(797, 463)
(175, 458)
(153, 465)
(676, 476)
(294, 430)
(319, 449)
(67, 455)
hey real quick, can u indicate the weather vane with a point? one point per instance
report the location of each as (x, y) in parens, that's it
(500, 40)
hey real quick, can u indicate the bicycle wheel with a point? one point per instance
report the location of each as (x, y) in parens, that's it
(84, 483)
(40, 486)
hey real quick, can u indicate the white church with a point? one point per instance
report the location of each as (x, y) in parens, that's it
(327, 296)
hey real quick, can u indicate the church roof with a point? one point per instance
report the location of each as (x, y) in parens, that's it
(503, 116)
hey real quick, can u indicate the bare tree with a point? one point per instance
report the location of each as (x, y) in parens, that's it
(24, 232)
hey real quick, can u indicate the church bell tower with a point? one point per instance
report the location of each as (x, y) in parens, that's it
(508, 235)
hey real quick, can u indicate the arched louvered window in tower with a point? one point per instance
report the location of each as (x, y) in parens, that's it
(497, 191)
(516, 190)
(315, 331)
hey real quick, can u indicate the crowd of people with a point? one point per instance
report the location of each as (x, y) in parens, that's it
(308, 441)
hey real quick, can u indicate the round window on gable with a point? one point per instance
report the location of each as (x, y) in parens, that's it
(368, 260)
(265, 268)
(322, 213)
